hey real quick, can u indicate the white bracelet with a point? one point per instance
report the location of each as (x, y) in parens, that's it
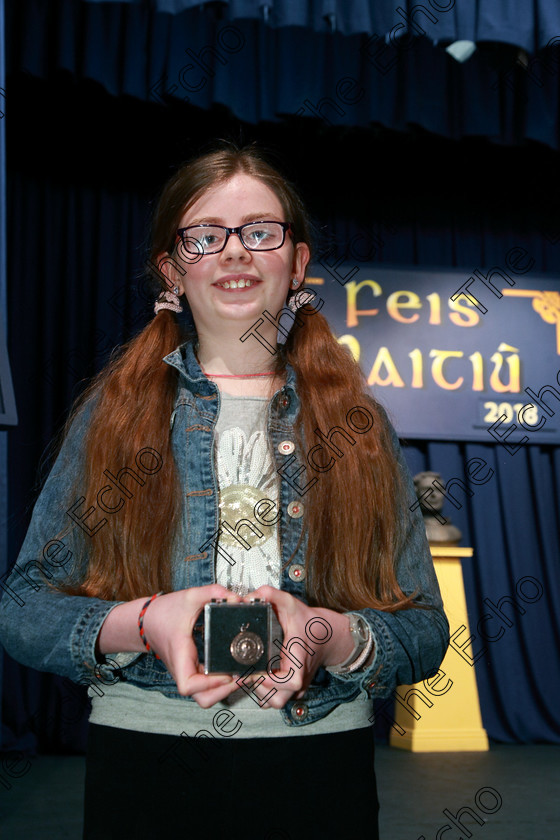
(363, 656)
(361, 643)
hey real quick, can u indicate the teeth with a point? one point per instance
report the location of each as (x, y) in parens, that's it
(237, 284)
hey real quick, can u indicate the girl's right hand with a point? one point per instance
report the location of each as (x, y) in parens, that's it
(168, 628)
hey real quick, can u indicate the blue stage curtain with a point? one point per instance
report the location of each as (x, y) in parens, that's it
(85, 305)
(263, 73)
(3, 315)
(526, 23)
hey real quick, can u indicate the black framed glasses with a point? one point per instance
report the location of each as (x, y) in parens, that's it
(255, 236)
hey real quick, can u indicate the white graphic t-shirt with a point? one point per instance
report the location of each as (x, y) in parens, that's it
(246, 475)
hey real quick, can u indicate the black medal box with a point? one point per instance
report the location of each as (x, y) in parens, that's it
(240, 636)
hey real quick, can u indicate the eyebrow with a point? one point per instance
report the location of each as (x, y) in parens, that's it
(251, 217)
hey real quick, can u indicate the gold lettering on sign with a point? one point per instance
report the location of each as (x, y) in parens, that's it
(403, 300)
(435, 308)
(547, 304)
(392, 376)
(439, 357)
(513, 364)
(417, 368)
(464, 313)
(353, 345)
(478, 371)
(352, 290)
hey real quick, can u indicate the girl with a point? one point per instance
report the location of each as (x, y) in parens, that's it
(238, 457)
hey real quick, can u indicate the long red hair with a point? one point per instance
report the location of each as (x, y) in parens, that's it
(354, 515)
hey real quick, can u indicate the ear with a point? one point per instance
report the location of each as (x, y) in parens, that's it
(302, 255)
(169, 272)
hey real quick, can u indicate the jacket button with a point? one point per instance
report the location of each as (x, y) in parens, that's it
(295, 510)
(285, 401)
(299, 711)
(296, 572)
(286, 447)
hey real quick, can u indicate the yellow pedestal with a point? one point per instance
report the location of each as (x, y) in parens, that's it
(442, 714)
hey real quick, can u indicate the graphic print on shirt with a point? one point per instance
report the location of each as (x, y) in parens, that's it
(246, 476)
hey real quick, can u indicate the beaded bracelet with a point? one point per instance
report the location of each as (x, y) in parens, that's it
(141, 622)
(363, 657)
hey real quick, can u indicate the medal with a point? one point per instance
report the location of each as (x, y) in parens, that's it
(246, 648)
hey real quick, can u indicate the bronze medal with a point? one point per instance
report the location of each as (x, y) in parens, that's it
(246, 648)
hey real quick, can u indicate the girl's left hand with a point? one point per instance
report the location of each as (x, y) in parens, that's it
(313, 636)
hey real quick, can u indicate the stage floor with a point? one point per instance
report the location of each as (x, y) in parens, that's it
(514, 789)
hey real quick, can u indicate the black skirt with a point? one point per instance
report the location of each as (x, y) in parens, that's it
(312, 787)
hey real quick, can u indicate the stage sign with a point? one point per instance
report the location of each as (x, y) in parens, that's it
(453, 355)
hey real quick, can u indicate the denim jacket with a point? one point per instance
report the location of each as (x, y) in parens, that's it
(52, 631)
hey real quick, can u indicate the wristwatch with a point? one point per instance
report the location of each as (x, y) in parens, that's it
(361, 633)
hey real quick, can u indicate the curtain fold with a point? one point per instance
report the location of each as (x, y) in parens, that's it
(3, 316)
(263, 73)
(85, 303)
(526, 23)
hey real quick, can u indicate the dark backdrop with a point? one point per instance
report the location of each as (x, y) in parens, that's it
(84, 166)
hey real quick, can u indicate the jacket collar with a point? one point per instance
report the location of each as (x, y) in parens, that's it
(184, 360)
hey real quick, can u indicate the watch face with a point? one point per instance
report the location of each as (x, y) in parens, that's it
(361, 628)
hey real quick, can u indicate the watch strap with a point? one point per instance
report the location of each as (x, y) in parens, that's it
(363, 640)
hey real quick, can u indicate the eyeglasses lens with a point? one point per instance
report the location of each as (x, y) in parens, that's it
(209, 239)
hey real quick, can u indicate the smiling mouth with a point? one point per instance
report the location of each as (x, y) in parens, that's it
(242, 283)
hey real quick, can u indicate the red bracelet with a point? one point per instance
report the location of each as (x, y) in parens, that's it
(141, 622)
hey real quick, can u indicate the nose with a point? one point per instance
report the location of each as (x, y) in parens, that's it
(235, 248)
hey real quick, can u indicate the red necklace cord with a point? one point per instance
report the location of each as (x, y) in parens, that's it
(233, 375)
(236, 375)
